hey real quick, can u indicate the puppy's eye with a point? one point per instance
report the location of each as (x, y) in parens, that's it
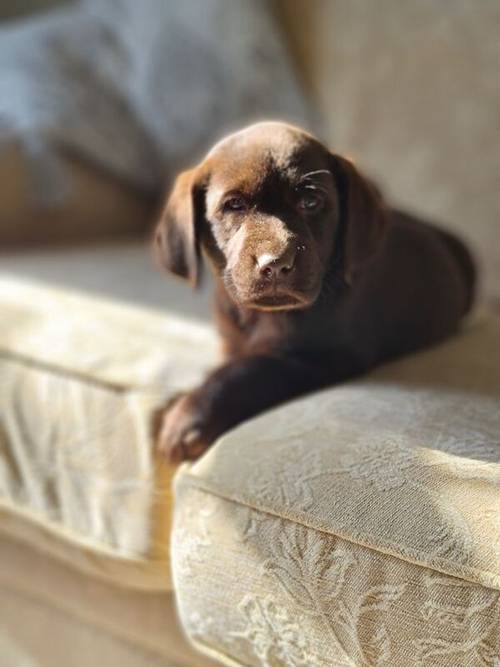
(235, 204)
(310, 202)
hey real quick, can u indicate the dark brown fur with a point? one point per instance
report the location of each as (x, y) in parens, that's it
(317, 280)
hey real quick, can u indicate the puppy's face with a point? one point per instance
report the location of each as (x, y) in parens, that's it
(267, 206)
(271, 216)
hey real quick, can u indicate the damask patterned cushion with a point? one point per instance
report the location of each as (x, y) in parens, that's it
(80, 379)
(358, 526)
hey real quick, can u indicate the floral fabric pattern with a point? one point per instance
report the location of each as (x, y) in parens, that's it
(284, 595)
(357, 527)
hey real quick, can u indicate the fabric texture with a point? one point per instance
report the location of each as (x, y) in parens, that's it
(357, 526)
(84, 504)
(72, 620)
(80, 380)
(140, 88)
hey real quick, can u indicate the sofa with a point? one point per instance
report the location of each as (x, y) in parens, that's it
(356, 526)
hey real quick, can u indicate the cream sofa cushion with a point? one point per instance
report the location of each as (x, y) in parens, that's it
(356, 526)
(80, 380)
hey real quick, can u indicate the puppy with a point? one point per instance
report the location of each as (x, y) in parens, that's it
(317, 279)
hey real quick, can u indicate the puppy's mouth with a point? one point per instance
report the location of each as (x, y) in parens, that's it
(280, 300)
(276, 302)
(274, 295)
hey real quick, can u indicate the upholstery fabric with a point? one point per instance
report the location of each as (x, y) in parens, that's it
(72, 620)
(357, 526)
(80, 380)
(84, 504)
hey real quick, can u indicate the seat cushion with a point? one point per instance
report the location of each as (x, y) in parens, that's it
(357, 526)
(80, 380)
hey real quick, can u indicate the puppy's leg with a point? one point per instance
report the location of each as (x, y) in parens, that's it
(231, 394)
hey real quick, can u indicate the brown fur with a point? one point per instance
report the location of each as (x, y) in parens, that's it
(317, 280)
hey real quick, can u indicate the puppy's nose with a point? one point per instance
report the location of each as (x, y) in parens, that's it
(271, 266)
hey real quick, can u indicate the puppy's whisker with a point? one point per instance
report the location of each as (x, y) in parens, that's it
(314, 173)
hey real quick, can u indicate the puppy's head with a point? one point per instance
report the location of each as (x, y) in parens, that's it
(275, 214)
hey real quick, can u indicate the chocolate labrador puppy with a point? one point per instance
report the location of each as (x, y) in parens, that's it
(317, 279)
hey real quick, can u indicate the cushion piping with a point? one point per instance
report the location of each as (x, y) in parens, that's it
(471, 574)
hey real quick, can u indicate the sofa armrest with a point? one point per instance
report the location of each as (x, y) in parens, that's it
(355, 526)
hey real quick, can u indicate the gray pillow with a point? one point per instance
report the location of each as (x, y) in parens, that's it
(141, 88)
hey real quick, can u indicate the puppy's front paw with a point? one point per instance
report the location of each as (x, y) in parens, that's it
(183, 430)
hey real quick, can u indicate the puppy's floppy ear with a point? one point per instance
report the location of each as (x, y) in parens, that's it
(176, 240)
(363, 216)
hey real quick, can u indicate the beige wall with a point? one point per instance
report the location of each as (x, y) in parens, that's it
(412, 91)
